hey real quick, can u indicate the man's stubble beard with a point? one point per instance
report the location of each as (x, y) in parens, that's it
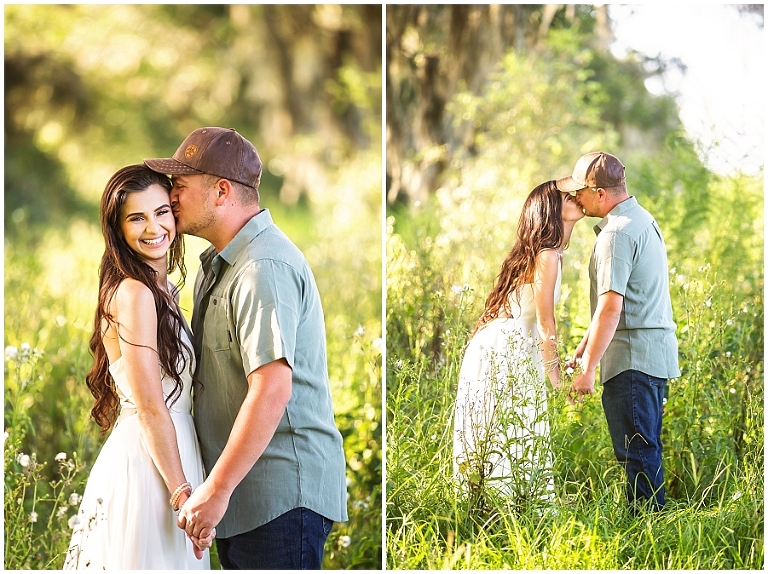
(196, 227)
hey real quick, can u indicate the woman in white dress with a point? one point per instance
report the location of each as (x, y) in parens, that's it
(141, 380)
(501, 430)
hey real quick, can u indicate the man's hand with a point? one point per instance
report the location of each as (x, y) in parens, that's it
(202, 512)
(583, 384)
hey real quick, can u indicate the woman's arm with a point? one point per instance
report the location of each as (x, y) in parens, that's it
(544, 280)
(137, 328)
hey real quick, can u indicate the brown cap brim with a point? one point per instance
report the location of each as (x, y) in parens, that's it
(170, 166)
(566, 184)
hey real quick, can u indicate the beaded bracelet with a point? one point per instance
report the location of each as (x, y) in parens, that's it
(183, 487)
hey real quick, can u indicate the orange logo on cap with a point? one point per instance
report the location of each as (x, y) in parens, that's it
(190, 151)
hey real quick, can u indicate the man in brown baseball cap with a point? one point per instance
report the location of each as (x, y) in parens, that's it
(632, 333)
(264, 418)
(595, 169)
(216, 151)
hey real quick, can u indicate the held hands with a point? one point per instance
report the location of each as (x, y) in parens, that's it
(200, 513)
(198, 544)
(584, 381)
(583, 384)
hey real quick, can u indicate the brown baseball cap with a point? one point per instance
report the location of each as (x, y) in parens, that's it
(595, 169)
(216, 151)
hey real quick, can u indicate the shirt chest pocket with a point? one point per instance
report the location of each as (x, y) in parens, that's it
(216, 333)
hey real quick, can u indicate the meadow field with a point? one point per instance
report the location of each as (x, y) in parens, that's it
(441, 261)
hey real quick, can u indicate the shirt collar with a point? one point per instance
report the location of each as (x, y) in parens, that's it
(617, 210)
(251, 229)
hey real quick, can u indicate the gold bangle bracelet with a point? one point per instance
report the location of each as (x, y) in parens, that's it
(183, 487)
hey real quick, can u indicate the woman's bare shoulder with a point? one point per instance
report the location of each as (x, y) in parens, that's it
(132, 296)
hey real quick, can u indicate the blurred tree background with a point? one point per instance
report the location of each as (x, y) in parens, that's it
(436, 55)
(90, 88)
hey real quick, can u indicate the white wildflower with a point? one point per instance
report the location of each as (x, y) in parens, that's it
(732, 391)
(736, 495)
(25, 348)
(62, 511)
(61, 457)
(360, 331)
(727, 353)
(33, 516)
(729, 322)
(569, 371)
(11, 352)
(456, 289)
(344, 541)
(73, 521)
(673, 271)
(399, 363)
(708, 302)
(74, 499)
(22, 459)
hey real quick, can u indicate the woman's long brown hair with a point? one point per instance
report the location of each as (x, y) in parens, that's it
(120, 262)
(540, 227)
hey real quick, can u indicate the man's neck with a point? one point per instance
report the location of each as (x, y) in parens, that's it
(231, 225)
(614, 202)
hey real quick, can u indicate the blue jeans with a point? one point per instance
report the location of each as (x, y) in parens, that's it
(632, 402)
(292, 541)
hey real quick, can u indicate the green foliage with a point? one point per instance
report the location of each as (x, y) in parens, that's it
(713, 437)
(50, 293)
(36, 509)
(441, 261)
(91, 88)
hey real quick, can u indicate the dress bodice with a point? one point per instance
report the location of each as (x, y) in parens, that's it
(182, 405)
(523, 308)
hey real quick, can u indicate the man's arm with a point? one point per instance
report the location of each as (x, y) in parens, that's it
(601, 331)
(269, 390)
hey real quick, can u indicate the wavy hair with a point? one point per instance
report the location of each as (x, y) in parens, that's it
(120, 262)
(540, 227)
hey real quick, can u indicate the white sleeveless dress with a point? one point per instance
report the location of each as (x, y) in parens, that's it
(125, 521)
(501, 429)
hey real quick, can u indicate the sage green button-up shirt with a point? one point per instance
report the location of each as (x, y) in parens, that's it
(254, 303)
(630, 258)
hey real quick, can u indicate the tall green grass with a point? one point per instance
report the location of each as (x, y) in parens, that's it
(438, 273)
